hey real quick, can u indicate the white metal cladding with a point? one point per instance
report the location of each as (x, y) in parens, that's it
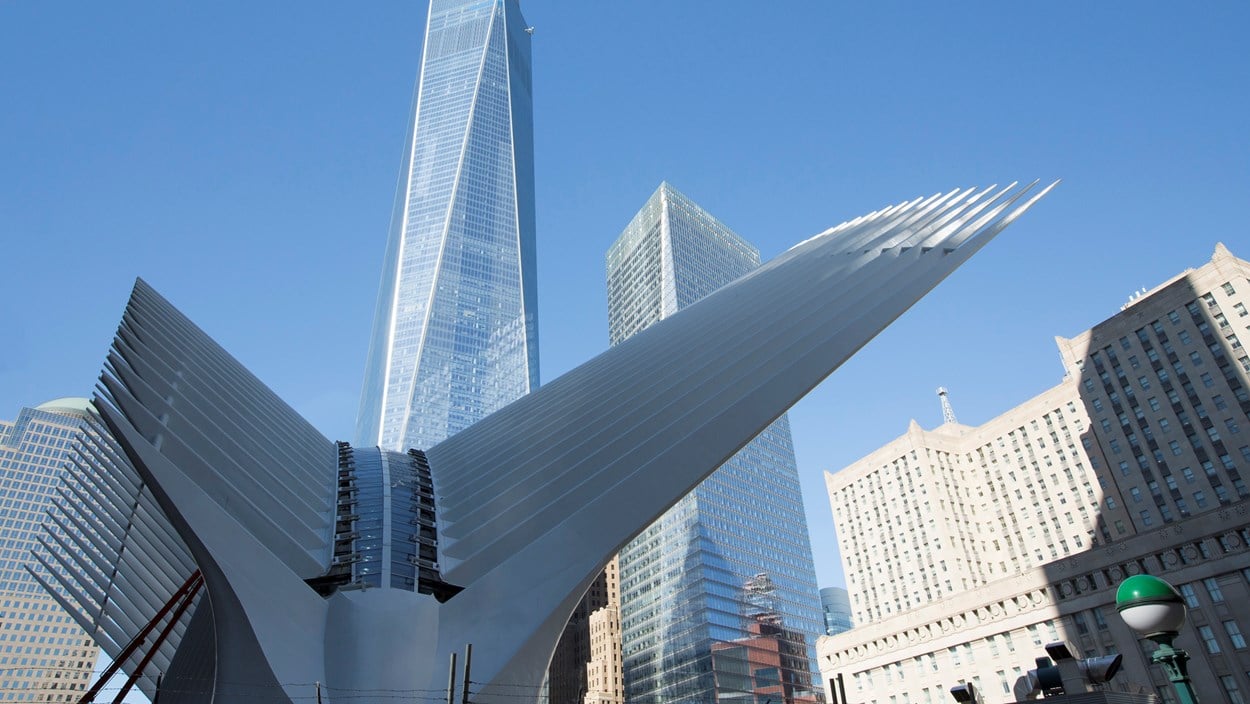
(265, 465)
(112, 558)
(530, 502)
(692, 389)
(539, 493)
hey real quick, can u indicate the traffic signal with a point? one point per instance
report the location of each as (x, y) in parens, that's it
(1046, 678)
(965, 693)
(1100, 669)
(1068, 675)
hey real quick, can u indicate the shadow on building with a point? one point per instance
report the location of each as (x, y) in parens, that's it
(1016, 533)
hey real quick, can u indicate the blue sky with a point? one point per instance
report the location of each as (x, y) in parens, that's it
(242, 157)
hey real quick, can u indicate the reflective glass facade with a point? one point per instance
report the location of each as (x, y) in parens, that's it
(387, 520)
(455, 331)
(836, 603)
(718, 597)
(44, 655)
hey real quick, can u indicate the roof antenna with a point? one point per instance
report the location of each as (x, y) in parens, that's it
(948, 413)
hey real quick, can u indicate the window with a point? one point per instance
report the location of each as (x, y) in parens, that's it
(1220, 405)
(1135, 493)
(1143, 382)
(1208, 639)
(1081, 626)
(1213, 589)
(1232, 426)
(1175, 446)
(1207, 380)
(1229, 683)
(1100, 620)
(1146, 520)
(1234, 634)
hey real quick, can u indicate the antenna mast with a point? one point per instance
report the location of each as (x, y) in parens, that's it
(948, 413)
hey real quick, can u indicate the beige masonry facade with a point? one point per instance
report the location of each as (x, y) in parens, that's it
(1002, 537)
(604, 678)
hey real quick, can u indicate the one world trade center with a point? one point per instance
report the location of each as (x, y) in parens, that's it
(455, 335)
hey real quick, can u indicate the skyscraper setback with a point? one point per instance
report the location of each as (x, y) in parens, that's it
(718, 597)
(455, 331)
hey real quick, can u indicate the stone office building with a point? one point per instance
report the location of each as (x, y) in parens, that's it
(1015, 533)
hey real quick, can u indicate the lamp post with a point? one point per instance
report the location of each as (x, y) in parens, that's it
(1154, 608)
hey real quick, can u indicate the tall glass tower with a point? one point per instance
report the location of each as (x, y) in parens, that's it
(455, 335)
(718, 597)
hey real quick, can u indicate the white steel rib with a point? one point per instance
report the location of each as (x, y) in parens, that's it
(508, 522)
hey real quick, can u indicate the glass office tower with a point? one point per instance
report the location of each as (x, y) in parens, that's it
(718, 597)
(455, 332)
(44, 655)
(836, 603)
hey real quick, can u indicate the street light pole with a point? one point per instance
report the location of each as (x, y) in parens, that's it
(1154, 608)
(1175, 665)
